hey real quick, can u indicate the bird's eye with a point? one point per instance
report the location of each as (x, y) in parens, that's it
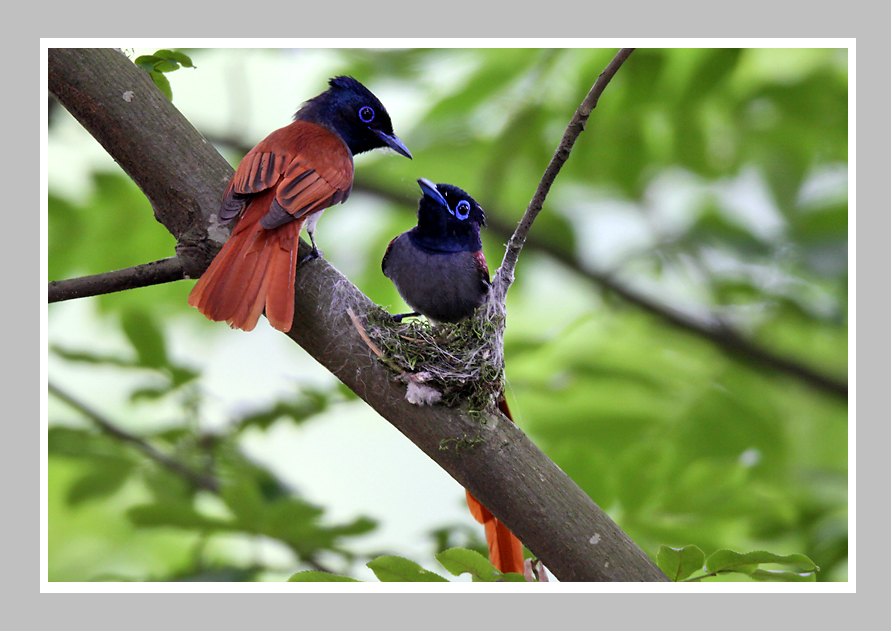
(462, 209)
(366, 114)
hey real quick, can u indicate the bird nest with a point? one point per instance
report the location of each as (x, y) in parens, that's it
(449, 364)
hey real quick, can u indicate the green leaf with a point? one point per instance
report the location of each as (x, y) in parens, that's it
(181, 375)
(227, 573)
(167, 486)
(244, 498)
(149, 394)
(679, 563)
(163, 61)
(358, 526)
(748, 562)
(146, 338)
(315, 576)
(65, 226)
(81, 443)
(294, 520)
(106, 476)
(713, 68)
(178, 515)
(393, 569)
(461, 560)
(111, 577)
(165, 65)
(146, 62)
(307, 404)
(90, 358)
(176, 57)
(785, 576)
(163, 84)
(308, 538)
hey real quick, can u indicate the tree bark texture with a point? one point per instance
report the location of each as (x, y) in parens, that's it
(180, 172)
(183, 177)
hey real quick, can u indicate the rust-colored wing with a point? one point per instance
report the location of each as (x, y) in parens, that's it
(309, 166)
(296, 171)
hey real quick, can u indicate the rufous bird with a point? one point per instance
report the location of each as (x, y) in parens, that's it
(281, 186)
(440, 271)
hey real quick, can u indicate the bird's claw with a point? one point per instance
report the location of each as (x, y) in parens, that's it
(315, 253)
(399, 316)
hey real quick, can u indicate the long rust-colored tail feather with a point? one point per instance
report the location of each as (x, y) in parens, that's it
(255, 279)
(208, 294)
(260, 281)
(505, 550)
(254, 271)
(280, 304)
(246, 277)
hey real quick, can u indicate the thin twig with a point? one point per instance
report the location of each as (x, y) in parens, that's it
(505, 274)
(200, 480)
(733, 342)
(143, 275)
(361, 330)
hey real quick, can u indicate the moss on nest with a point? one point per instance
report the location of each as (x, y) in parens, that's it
(464, 361)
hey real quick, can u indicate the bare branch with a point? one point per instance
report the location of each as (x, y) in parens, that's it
(145, 275)
(505, 274)
(201, 480)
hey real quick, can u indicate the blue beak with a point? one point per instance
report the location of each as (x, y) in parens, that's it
(393, 142)
(429, 189)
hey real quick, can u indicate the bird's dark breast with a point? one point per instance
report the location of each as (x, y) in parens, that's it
(444, 286)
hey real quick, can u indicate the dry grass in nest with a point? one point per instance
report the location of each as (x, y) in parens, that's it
(462, 362)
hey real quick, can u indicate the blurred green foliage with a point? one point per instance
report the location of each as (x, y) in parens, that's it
(713, 181)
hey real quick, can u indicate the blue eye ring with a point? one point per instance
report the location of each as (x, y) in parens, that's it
(462, 209)
(366, 114)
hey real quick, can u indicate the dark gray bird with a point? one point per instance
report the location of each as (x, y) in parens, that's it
(438, 266)
(440, 271)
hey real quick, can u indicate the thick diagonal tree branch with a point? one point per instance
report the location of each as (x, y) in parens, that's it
(139, 127)
(183, 176)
